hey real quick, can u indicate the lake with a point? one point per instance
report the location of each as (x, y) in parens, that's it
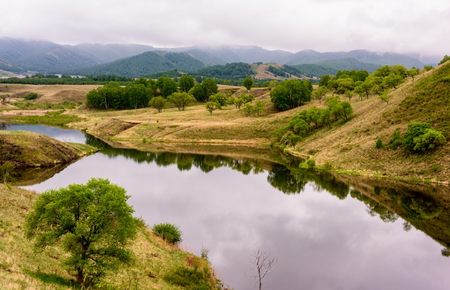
(324, 233)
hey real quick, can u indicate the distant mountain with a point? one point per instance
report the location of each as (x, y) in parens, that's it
(42, 56)
(18, 55)
(105, 53)
(147, 63)
(235, 54)
(364, 56)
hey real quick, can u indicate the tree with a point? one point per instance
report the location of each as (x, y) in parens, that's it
(202, 91)
(263, 266)
(219, 98)
(92, 222)
(248, 83)
(444, 59)
(181, 100)
(319, 93)
(158, 103)
(166, 86)
(290, 94)
(324, 80)
(212, 106)
(186, 83)
(413, 72)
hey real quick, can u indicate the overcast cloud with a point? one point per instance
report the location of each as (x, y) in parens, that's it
(325, 25)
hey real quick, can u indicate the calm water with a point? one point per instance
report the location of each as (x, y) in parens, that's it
(323, 233)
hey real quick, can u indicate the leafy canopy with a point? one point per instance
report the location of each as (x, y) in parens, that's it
(91, 221)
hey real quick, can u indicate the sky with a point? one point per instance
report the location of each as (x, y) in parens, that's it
(406, 26)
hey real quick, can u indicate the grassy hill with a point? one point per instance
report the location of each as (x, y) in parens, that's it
(155, 261)
(350, 147)
(145, 64)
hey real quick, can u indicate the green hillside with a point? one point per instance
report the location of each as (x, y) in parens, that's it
(145, 64)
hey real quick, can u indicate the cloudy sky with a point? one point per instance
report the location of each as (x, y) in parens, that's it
(326, 25)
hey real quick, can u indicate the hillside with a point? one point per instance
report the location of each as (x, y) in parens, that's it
(147, 63)
(23, 268)
(350, 147)
(26, 149)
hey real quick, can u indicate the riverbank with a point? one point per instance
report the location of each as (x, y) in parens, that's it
(345, 148)
(23, 268)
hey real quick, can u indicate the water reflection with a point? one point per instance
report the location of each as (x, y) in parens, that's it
(327, 232)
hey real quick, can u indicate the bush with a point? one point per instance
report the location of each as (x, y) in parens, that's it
(31, 96)
(428, 141)
(308, 164)
(256, 109)
(158, 103)
(420, 137)
(415, 129)
(168, 232)
(197, 276)
(212, 106)
(396, 140)
(379, 143)
(219, 98)
(181, 100)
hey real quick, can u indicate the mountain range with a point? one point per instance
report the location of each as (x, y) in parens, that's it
(132, 60)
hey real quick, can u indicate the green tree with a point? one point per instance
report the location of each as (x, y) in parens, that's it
(92, 222)
(290, 94)
(444, 59)
(413, 72)
(166, 86)
(212, 106)
(202, 91)
(158, 103)
(248, 83)
(181, 100)
(186, 83)
(210, 87)
(219, 98)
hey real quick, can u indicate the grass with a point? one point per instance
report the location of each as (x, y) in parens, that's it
(57, 118)
(21, 267)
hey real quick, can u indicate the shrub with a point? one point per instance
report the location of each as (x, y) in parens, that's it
(428, 67)
(428, 141)
(218, 98)
(181, 100)
(415, 129)
(168, 232)
(31, 96)
(308, 164)
(256, 109)
(212, 106)
(379, 143)
(196, 277)
(396, 140)
(158, 103)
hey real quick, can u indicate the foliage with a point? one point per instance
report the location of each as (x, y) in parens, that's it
(231, 71)
(444, 59)
(420, 137)
(203, 90)
(219, 98)
(212, 106)
(396, 140)
(379, 143)
(256, 109)
(168, 232)
(92, 222)
(319, 93)
(186, 83)
(114, 96)
(427, 67)
(166, 86)
(31, 96)
(305, 122)
(158, 103)
(290, 94)
(428, 141)
(181, 100)
(248, 82)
